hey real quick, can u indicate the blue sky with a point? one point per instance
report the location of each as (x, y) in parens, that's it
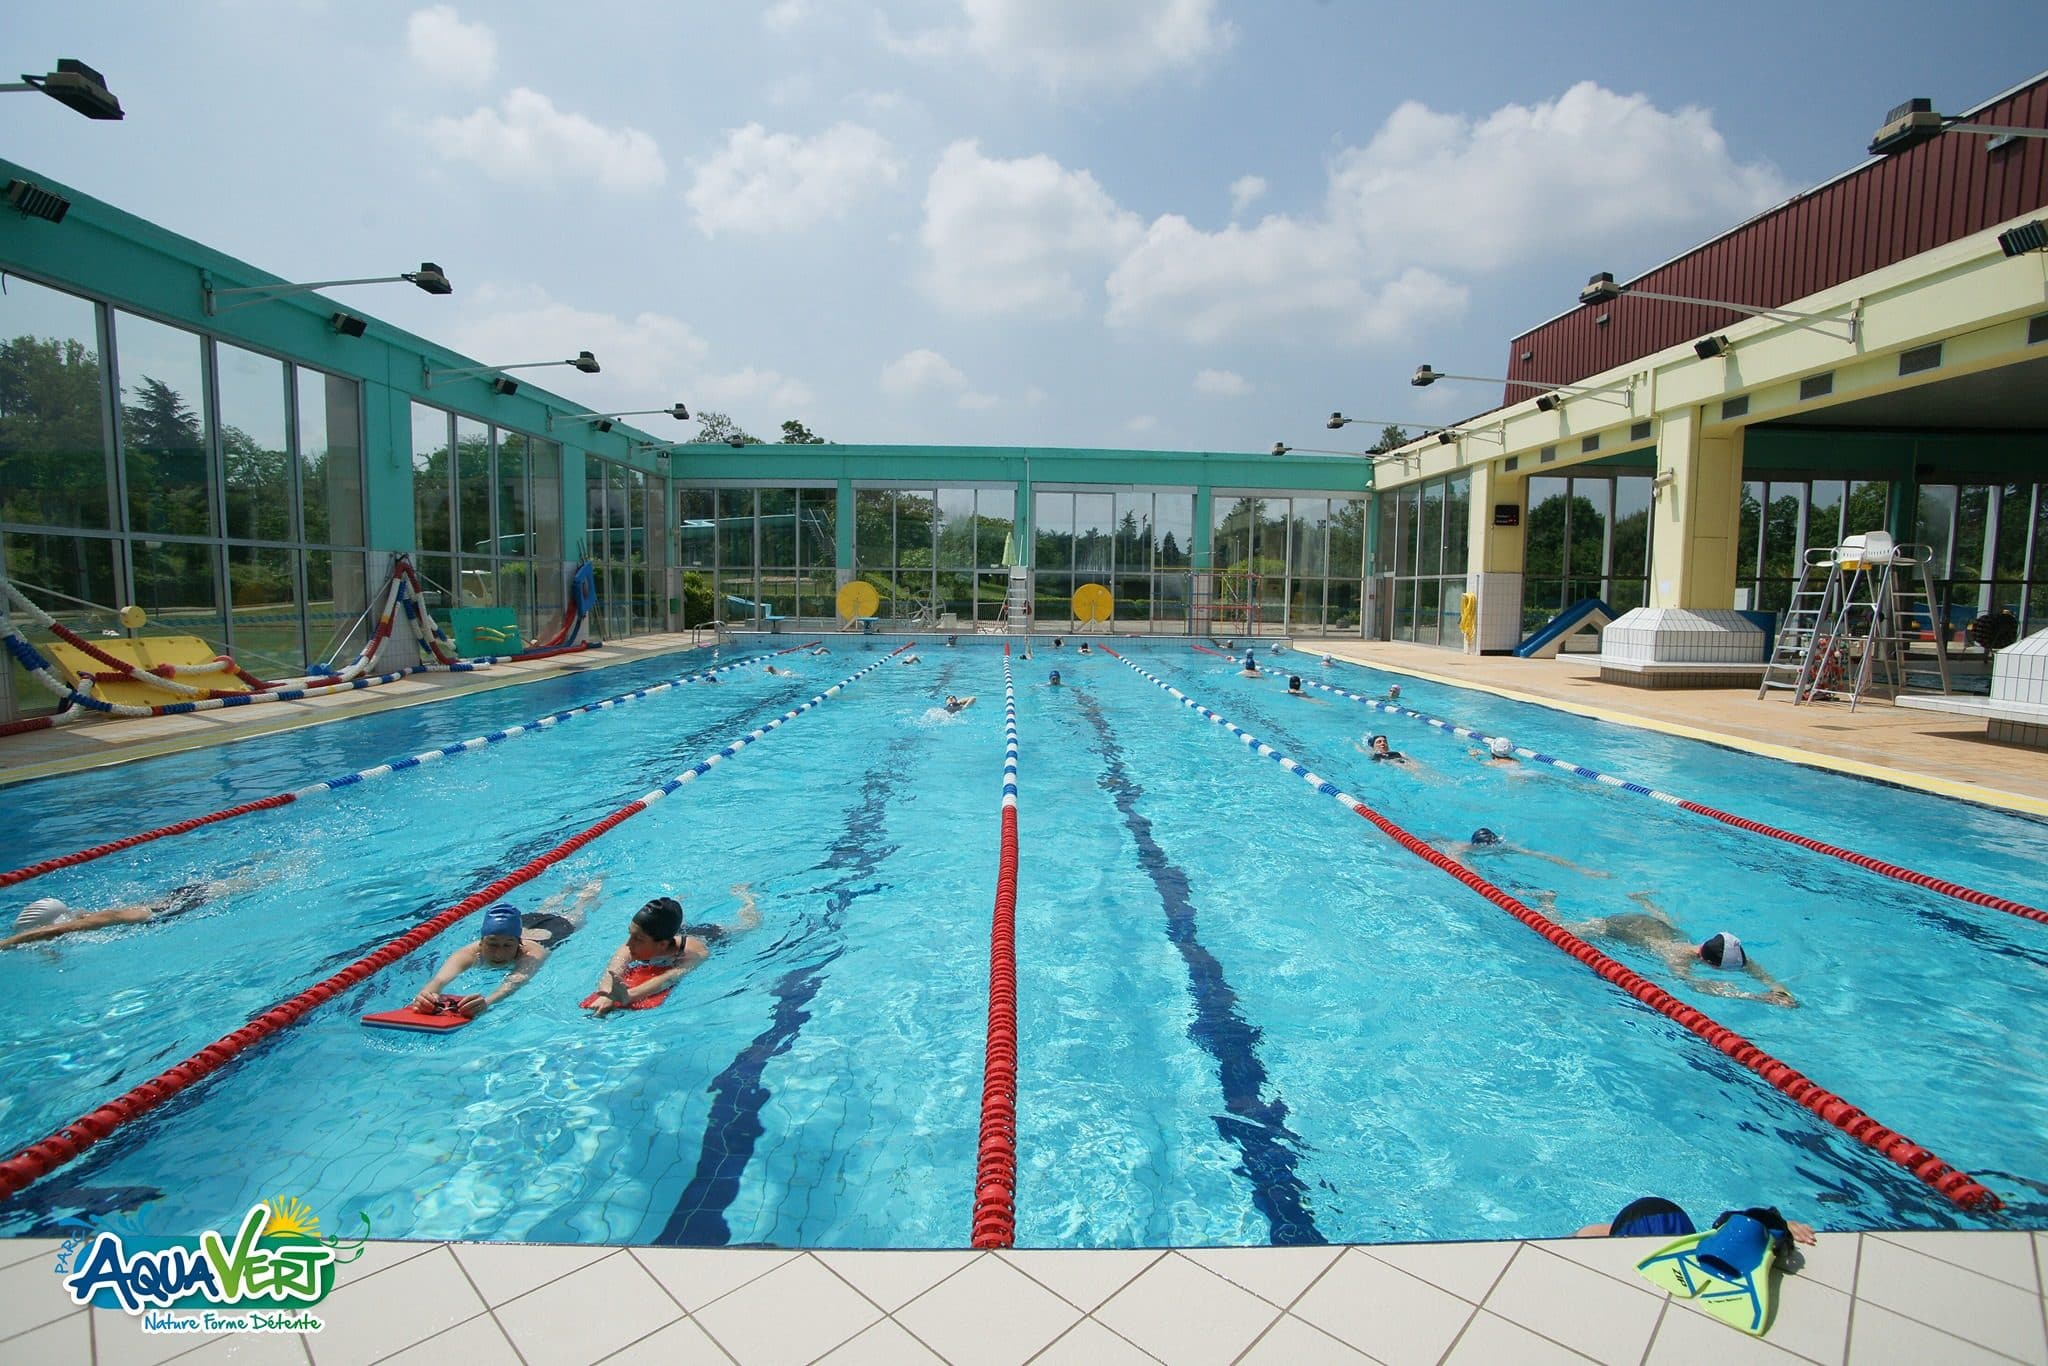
(1155, 223)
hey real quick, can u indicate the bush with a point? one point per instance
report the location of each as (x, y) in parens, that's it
(1994, 631)
(697, 608)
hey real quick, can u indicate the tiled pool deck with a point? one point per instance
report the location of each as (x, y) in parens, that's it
(1862, 1298)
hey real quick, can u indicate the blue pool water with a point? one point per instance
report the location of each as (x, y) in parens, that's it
(1245, 1016)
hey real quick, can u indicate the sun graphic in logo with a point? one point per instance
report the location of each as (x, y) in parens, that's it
(289, 1217)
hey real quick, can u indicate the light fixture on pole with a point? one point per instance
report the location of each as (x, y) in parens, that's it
(36, 202)
(1338, 422)
(603, 420)
(1706, 348)
(658, 449)
(1600, 289)
(1914, 122)
(428, 277)
(76, 86)
(2024, 238)
(1494, 434)
(582, 360)
(1553, 394)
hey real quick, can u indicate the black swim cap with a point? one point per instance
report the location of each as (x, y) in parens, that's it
(1484, 836)
(1294, 682)
(661, 918)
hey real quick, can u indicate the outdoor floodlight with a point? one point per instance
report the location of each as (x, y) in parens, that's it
(2024, 238)
(1600, 289)
(36, 202)
(674, 410)
(349, 325)
(1914, 122)
(583, 361)
(735, 440)
(76, 86)
(1706, 348)
(1557, 393)
(1281, 448)
(504, 386)
(428, 277)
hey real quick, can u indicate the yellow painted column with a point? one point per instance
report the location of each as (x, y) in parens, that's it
(1494, 570)
(1697, 517)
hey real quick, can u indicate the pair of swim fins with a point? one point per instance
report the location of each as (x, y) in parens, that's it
(1727, 1271)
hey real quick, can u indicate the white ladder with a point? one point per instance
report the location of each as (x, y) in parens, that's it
(1885, 589)
(1016, 613)
(1806, 638)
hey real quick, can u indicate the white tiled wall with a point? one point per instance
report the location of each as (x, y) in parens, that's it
(1682, 635)
(1500, 609)
(2020, 672)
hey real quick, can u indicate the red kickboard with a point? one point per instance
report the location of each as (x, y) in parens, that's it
(635, 975)
(425, 1021)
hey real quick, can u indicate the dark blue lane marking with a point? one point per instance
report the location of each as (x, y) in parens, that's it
(1256, 1127)
(737, 1094)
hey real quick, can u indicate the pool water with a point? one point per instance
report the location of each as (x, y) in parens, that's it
(1245, 1016)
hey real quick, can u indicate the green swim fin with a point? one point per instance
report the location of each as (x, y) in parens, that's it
(1727, 1271)
(1675, 1268)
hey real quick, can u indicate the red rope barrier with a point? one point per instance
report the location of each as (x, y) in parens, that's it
(72, 860)
(995, 1171)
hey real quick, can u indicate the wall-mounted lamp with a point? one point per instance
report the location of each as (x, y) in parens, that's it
(1338, 422)
(36, 202)
(1424, 376)
(1706, 348)
(583, 361)
(1664, 479)
(428, 277)
(1600, 289)
(504, 387)
(76, 86)
(1493, 434)
(2024, 238)
(348, 324)
(1914, 122)
(603, 420)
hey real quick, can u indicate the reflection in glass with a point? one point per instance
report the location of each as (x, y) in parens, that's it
(1053, 516)
(178, 585)
(1174, 516)
(956, 531)
(473, 487)
(1094, 523)
(777, 510)
(336, 595)
(58, 573)
(995, 515)
(330, 459)
(433, 530)
(53, 470)
(263, 585)
(511, 486)
(1934, 524)
(874, 530)
(255, 461)
(162, 429)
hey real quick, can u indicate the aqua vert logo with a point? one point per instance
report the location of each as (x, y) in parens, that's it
(261, 1276)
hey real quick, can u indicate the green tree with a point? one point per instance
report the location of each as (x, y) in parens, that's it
(713, 428)
(1393, 436)
(794, 433)
(52, 471)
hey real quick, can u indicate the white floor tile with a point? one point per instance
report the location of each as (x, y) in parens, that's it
(1276, 1274)
(373, 1318)
(64, 1342)
(2007, 1257)
(31, 1295)
(1383, 1312)
(1812, 1319)
(1083, 1278)
(1589, 1312)
(1180, 1312)
(698, 1275)
(1489, 1339)
(1467, 1270)
(1691, 1338)
(1961, 1303)
(587, 1314)
(14, 1250)
(682, 1343)
(885, 1344)
(378, 1257)
(990, 1313)
(479, 1342)
(1088, 1343)
(505, 1271)
(118, 1340)
(1291, 1342)
(1831, 1261)
(1879, 1337)
(894, 1279)
(795, 1313)
(266, 1349)
(1614, 1258)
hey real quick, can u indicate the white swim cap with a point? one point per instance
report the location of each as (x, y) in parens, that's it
(41, 914)
(1724, 950)
(1502, 747)
(1328, 661)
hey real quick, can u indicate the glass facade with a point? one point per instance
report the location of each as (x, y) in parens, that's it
(1136, 542)
(1587, 536)
(1990, 544)
(487, 517)
(747, 552)
(218, 488)
(1783, 518)
(1423, 534)
(620, 543)
(1299, 557)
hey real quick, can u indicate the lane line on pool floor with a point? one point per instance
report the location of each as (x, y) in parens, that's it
(1957, 1185)
(995, 1172)
(41, 1158)
(1988, 900)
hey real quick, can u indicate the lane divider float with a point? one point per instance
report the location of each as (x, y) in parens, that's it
(995, 1171)
(1988, 900)
(41, 1158)
(1958, 1186)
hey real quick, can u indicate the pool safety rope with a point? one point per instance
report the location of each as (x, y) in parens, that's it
(1957, 890)
(97, 851)
(39, 1159)
(995, 1170)
(1958, 1186)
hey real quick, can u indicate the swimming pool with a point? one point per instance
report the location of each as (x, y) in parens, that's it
(1245, 1016)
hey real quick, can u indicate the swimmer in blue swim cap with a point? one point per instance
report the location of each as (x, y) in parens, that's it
(511, 942)
(1054, 681)
(1251, 666)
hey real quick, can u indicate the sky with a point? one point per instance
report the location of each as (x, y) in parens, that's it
(1161, 224)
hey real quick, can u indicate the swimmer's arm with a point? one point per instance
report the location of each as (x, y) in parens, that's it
(659, 983)
(749, 917)
(458, 963)
(615, 970)
(1774, 992)
(531, 960)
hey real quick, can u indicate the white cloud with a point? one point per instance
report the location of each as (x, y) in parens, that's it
(785, 15)
(1077, 42)
(920, 371)
(1244, 191)
(753, 387)
(1221, 384)
(778, 182)
(1144, 422)
(1024, 236)
(1588, 170)
(446, 49)
(527, 141)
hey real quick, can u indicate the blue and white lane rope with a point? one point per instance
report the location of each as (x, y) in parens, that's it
(1009, 735)
(552, 719)
(711, 761)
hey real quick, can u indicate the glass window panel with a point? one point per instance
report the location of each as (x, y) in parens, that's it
(177, 584)
(1429, 530)
(162, 429)
(954, 594)
(1053, 516)
(1783, 506)
(2015, 523)
(916, 518)
(1230, 532)
(1131, 599)
(820, 593)
(1749, 540)
(512, 494)
(53, 469)
(874, 529)
(1169, 597)
(1427, 593)
(60, 574)
(818, 528)
(1865, 508)
(1588, 553)
(255, 460)
(696, 514)
(263, 585)
(955, 529)
(336, 595)
(995, 524)
(1309, 544)
(1932, 521)
(430, 465)
(1052, 600)
(546, 522)
(1543, 557)
(1347, 539)
(1404, 609)
(1411, 534)
(736, 528)
(777, 511)
(1174, 523)
(1973, 515)
(1457, 523)
(1271, 554)
(1131, 550)
(1342, 608)
(330, 458)
(1094, 528)
(1824, 512)
(1631, 533)
(473, 487)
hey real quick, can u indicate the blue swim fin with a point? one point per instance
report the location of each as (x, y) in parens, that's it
(1727, 1271)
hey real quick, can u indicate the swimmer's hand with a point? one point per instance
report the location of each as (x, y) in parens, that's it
(1779, 997)
(472, 1006)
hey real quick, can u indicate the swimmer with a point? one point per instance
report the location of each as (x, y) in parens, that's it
(1394, 692)
(48, 918)
(1277, 647)
(1054, 681)
(781, 673)
(1251, 665)
(1230, 645)
(952, 641)
(1499, 750)
(1328, 662)
(1653, 930)
(517, 944)
(1492, 843)
(1380, 752)
(1058, 643)
(659, 938)
(1294, 689)
(912, 659)
(956, 705)
(821, 650)
(1084, 650)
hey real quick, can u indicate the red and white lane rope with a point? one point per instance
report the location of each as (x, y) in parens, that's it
(1958, 1186)
(1988, 900)
(995, 1170)
(41, 1158)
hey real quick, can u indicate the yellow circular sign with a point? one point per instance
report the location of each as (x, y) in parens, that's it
(133, 617)
(1092, 603)
(858, 599)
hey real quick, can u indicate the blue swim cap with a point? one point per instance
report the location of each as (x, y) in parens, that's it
(1055, 675)
(501, 920)
(1484, 836)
